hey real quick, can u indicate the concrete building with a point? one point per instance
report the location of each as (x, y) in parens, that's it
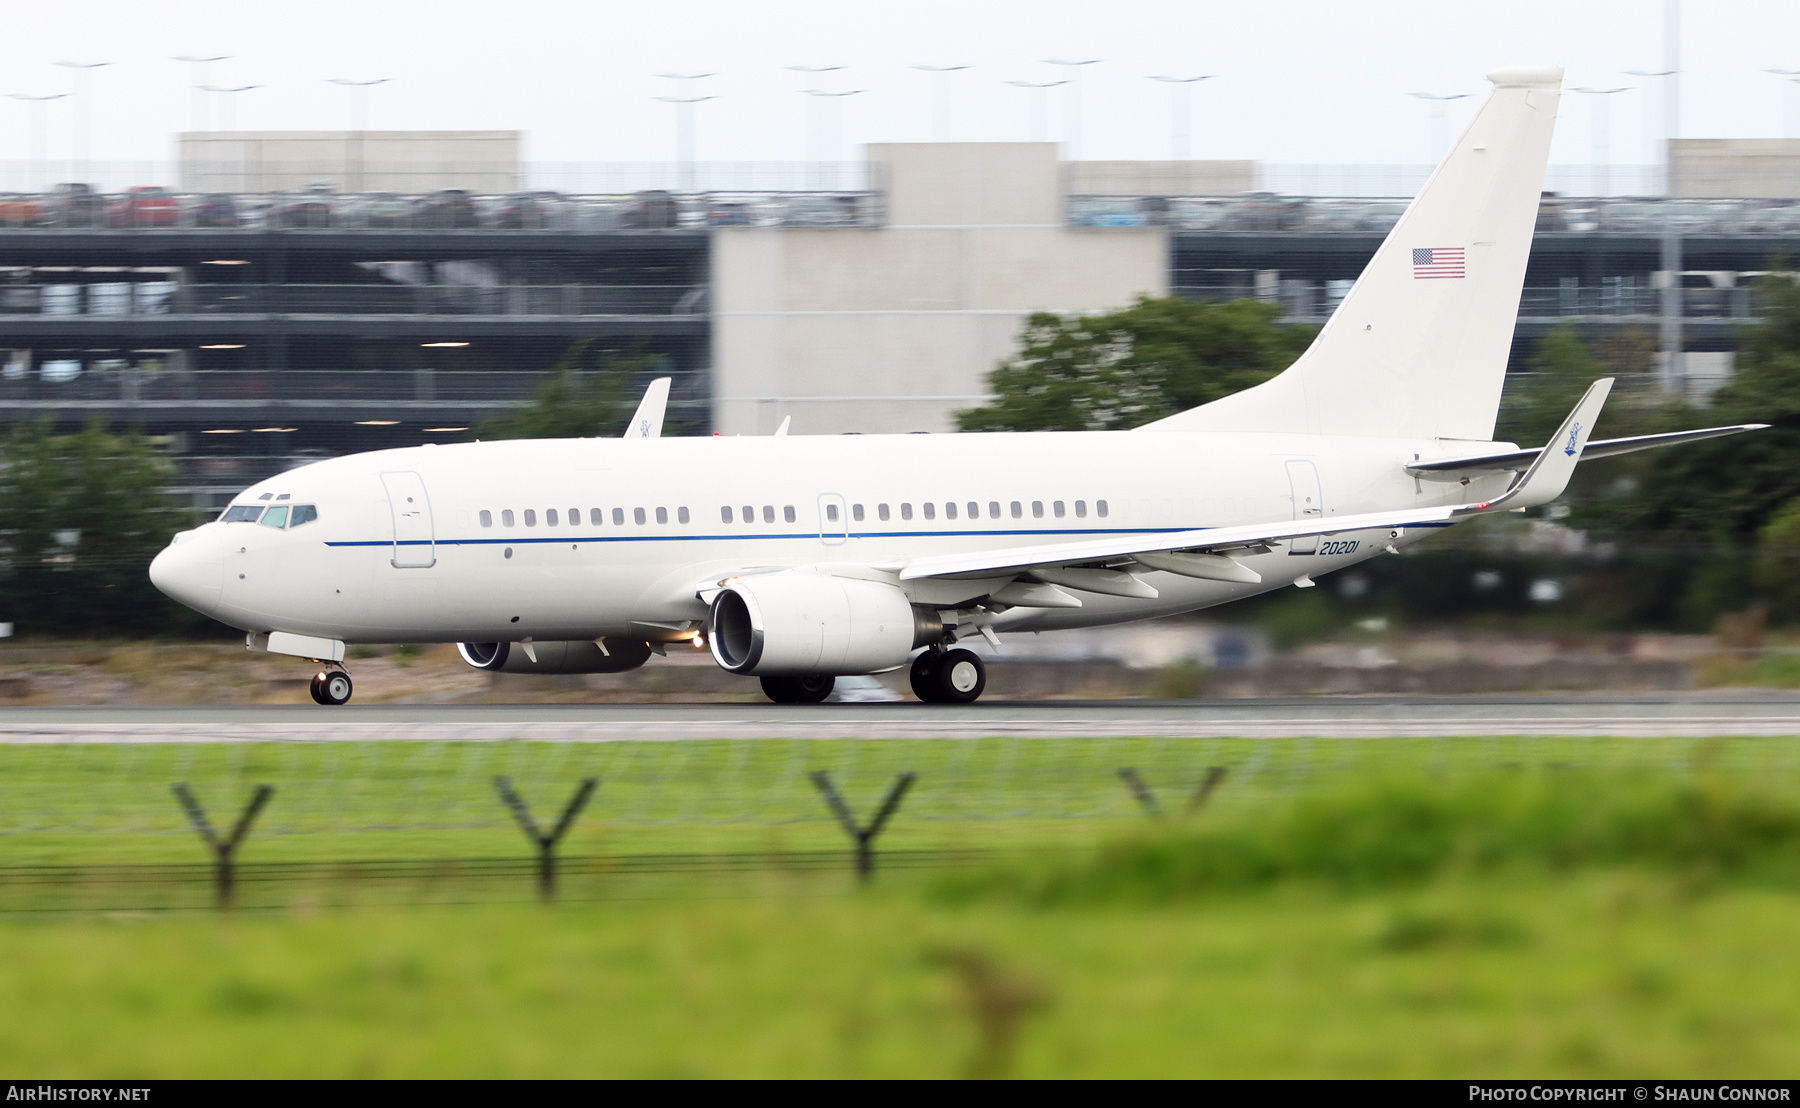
(1749, 169)
(893, 328)
(349, 161)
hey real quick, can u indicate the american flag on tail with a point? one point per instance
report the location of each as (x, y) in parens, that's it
(1437, 262)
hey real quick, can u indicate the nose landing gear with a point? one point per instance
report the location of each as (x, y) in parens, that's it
(948, 676)
(331, 687)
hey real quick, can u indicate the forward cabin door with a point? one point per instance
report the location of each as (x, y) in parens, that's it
(414, 539)
(1303, 479)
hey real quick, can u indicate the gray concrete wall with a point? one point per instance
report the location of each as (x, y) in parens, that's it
(1737, 168)
(349, 161)
(1191, 178)
(894, 329)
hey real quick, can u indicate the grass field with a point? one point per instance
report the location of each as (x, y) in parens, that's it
(1493, 907)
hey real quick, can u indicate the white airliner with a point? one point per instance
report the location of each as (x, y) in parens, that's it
(798, 559)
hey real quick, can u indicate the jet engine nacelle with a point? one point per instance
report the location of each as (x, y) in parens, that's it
(797, 624)
(580, 656)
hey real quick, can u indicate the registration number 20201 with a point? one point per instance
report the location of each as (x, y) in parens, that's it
(1339, 546)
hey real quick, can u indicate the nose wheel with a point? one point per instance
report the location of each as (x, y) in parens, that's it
(950, 677)
(331, 687)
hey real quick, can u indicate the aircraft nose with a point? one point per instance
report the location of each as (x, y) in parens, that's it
(191, 569)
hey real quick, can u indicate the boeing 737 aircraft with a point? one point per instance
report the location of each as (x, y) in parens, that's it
(799, 559)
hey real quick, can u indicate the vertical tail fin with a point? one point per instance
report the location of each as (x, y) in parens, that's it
(1418, 348)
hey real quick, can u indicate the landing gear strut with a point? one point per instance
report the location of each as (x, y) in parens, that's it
(948, 676)
(811, 689)
(331, 686)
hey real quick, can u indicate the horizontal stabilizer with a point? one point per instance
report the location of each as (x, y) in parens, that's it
(1597, 448)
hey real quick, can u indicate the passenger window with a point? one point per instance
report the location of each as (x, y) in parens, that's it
(574, 517)
(787, 512)
(725, 514)
(881, 512)
(1037, 509)
(550, 518)
(906, 511)
(749, 514)
(637, 516)
(831, 513)
(681, 515)
(618, 517)
(487, 518)
(930, 510)
(531, 517)
(856, 512)
(1017, 510)
(596, 516)
(993, 509)
(306, 513)
(506, 517)
(768, 513)
(275, 517)
(241, 513)
(949, 510)
(974, 510)
(1057, 509)
(1100, 508)
(662, 515)
(1081, 509)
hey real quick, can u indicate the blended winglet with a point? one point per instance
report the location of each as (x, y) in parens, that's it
(1548, 475)
(647, 421)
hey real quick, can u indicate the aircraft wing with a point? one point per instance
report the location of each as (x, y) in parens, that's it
(1597, 448)
(647, 421)
(1543, 480)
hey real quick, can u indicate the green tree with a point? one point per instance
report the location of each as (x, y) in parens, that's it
(1558, 372)
(578, 402)
(82, 516)
(1125, 368)
(1777, 569)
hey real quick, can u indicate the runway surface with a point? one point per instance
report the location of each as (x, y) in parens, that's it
(1674, 714)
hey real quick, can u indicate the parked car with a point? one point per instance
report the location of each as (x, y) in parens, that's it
(19, 210)
(730, 214)
(385, 210)
(525, 211)
(76, 204)
(144, 206)
(652, 209)
(312, 208)
(217, 209)
(446, 208)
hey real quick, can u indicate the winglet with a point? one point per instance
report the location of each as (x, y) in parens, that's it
(647, 421)
(786, 422)
(1548, 475)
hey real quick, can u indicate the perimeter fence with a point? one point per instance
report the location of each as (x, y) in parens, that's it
(102, 826)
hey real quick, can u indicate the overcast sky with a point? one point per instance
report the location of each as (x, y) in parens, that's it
(1297, 81)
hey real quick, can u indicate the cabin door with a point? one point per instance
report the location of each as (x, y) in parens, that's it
(414, 540)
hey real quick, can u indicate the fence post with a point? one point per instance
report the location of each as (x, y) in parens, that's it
(545, 841)
(224, 850)
(863, 837)
(1215, 775)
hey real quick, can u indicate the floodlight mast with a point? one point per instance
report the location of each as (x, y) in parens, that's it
(81, 155)
(1599, 127)
(684, 124)
(1038, 109)
(1072, 101)
(1790, 78)
(1179, 105)
(813, 110)
(1439, 120)
(940, 102)
(202, 116)
(228, 114)
(40, 153)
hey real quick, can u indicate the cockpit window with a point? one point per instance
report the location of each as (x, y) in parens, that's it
(275, 517)
(242, 513)
(303, 513)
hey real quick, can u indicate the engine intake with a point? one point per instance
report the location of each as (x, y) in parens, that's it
(579, 656)
(799, 624)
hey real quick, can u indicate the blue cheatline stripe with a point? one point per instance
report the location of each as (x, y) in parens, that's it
(574, 539)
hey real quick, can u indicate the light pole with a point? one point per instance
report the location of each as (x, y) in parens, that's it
(228, 112)
(684, 124)
(1179, 88)
(1440, 121)
(39, 151)
(831, 105)
(1038, 108)
(812, 123)
(359, 98)
(84, 100)
(940, 102)
(202, 118)
(1599, 126)
(1789, 78)
(1072, 101)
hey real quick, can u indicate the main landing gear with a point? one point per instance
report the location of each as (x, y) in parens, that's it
(811, 689)
(331, 686)
(948, 676)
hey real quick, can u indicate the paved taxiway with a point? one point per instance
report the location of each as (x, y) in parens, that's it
(1675, 714)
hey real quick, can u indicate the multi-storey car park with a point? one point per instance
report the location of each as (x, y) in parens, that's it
(255, 331)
